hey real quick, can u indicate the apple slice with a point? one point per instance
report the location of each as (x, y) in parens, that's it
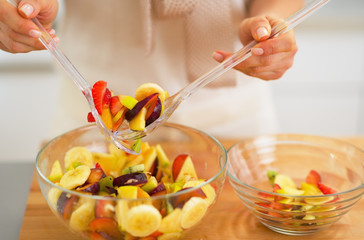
(163, 160)
(183, 167)
(284, 181)
(150, 185)
(183, 198)
(310, 189)
(150, 155)
(128, 101)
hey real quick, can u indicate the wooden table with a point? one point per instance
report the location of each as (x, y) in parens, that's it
(228, 219)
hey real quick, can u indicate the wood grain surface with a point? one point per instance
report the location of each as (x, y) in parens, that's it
(228, 219)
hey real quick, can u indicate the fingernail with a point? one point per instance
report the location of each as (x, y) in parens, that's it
(34, 33)
(262, 32)
(257, 51)
(218, 57)
(27, 9)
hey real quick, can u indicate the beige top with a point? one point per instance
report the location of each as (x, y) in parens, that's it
(108, 40)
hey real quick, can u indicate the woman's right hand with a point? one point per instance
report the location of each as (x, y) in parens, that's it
(18, 34)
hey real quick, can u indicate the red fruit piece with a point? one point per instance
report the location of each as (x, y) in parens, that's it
(154, 112)
(158, 190)
(107, 98)
(92, 188)
(115, 105)
(95, 175)
(98, 94)
(106, 225)
(143, 103)
(68, 207)
(104, 208)
(325, 189)
(184, 197)
(265, 195)
(177, 164)
(313, 177)
(90, 117)
(97, 236)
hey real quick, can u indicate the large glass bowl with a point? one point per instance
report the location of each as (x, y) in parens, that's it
(210, 161)
(340, 165)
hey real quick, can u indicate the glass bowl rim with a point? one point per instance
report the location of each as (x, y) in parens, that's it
(223, 168)
(342, 142)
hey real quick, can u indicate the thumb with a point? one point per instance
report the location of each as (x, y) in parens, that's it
(45, 10)
(260, 28)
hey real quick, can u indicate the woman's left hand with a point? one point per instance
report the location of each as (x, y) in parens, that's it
(271, 58)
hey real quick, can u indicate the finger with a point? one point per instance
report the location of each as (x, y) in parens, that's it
(282, 43)
(12, 46)
(257, 28)
(45, 10)
(10, 17)
(17, 37)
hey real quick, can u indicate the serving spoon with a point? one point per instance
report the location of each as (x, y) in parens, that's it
(119, 138)
(172, 102)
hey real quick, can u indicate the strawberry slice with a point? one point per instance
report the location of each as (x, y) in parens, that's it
(90, 117)
(107, 98)
(325, 189)
(98, 94)
(115, 105)
(313, 177)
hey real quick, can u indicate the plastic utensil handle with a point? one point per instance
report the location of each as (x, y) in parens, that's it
(245, 52)
(48, 42)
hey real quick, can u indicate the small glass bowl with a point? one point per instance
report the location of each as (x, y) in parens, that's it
(340, 165)
(208, 155)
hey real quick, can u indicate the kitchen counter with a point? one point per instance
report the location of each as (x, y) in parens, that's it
(228, 219)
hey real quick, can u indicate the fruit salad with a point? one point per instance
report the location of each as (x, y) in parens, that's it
(134, 188)
(138, 111)
(303, 206)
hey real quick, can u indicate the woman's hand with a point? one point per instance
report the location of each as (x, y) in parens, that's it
(17, 32)
(271, 58)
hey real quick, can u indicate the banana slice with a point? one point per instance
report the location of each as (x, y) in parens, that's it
(147, 89)
(75, 177)
(171, 222)
(53, 196)
(78, 155)
(284, 181)
(143, 220)
(82, 216)
(193, 211)
(207, 189)
(170, 236)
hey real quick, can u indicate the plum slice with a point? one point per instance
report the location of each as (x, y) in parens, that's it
(155, 112)
(133, 179)
(146, 102)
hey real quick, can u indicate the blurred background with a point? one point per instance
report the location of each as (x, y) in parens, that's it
(322, 94)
